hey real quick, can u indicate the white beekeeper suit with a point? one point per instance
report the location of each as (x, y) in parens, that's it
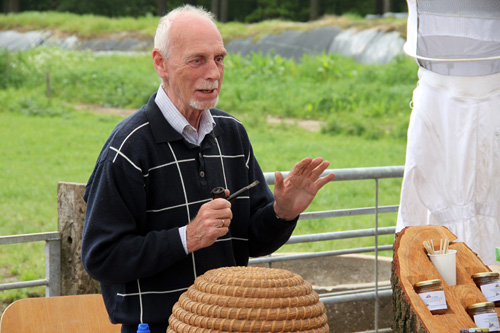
(452, 168)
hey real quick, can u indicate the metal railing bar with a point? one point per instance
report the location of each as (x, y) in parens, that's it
(52, 261)
(368, 293)
(53, 268)
(340, 235)
(376, 257)
(353, 173)
(348, 212)
(318, 254)
(24, 284)
(26, 238)
(353, 291)
(367, 296)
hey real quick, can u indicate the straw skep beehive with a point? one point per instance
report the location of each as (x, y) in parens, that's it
(249, 299)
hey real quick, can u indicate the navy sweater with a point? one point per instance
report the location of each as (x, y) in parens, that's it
(148, 181)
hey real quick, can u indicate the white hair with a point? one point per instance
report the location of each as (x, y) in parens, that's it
(162, 36)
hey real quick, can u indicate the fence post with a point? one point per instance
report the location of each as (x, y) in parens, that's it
(71, 214)
(53, 267)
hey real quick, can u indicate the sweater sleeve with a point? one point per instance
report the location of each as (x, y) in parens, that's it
(115, 248)
(267, 233)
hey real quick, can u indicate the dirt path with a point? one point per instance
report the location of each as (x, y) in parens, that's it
(309, 125)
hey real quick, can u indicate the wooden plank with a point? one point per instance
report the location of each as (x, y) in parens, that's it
(81, 313)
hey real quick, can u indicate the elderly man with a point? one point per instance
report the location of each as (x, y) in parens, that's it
(152, 225)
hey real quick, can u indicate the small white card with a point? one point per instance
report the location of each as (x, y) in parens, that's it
(491, 291)
(488, 320)
(434, 300)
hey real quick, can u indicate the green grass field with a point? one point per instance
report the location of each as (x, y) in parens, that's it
(363, 110)
(42, 151)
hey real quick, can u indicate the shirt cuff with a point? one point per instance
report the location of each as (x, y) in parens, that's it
(182, 233)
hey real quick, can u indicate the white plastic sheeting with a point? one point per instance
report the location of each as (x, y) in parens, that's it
(369, 46)
(452, 168)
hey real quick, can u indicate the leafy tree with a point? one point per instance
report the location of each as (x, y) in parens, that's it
(161, 7)
(313, 9)
(225, 10)
(293, 10)
(110, 8)
(10, 6)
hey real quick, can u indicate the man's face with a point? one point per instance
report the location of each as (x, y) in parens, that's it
(195, 68)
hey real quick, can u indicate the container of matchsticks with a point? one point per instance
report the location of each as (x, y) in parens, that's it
(444, 259)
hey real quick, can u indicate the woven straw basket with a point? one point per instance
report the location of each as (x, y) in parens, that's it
(249, 299)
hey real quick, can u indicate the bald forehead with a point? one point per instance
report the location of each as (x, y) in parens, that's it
(188, 28)
(187, 20)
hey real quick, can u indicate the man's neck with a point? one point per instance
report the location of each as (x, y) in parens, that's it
(192, 115)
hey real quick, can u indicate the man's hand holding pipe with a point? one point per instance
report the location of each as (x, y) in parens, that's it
(211, 222)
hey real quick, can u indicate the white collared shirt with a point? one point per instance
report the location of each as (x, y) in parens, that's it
(179, 122)
(188, 132)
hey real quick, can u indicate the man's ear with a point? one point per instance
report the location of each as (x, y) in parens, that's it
(159, 63)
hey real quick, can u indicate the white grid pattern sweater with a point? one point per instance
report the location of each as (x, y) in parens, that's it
(148, 182)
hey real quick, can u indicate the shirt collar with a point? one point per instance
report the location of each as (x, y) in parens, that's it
(179, 122)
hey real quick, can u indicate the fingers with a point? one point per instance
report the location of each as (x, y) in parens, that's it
(222, 223)
(278, 179)
(219, 214)
(218, 203)
(309, 170)
(202, 235)
(319, 168)
(301, 166)
(211, 222)
(310, 166)
(323, 181)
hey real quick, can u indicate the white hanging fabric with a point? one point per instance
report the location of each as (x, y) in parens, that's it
(452, 168)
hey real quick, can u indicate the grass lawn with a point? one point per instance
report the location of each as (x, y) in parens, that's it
(43, 141)
(42, 151)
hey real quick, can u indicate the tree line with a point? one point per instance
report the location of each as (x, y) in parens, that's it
(226, 10)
